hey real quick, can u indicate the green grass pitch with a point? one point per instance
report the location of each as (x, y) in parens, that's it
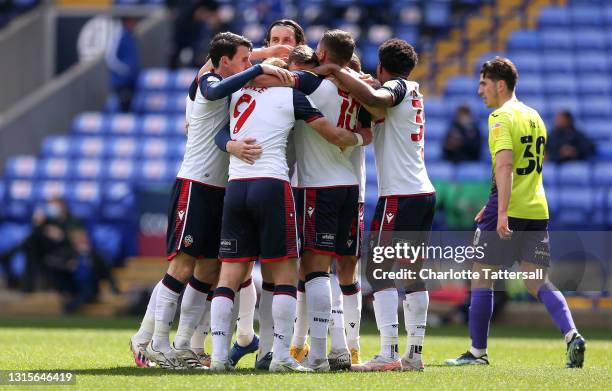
(96, 350)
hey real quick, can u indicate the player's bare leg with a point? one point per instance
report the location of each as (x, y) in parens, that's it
(481, 310)
(318, 300)
(347, 272)
(179, 272)
(558, 310)
(266, 322)
(206, 273)
(246, 339)
(283, 312)
(299, 348)
(230, 278)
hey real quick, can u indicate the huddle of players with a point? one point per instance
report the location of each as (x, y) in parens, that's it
(245, 203)
(257, 215)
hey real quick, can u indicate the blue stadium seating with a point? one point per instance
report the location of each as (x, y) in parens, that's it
(21, 167)
(106, 239)
(558, 62)
(586, 15)
(589, 39)
(123, 124)
(527, 61)
(435, 129)
(88, 169)
(554, 17)
(156, 125)
(595, 106)
(12, 234)
(89, 123)
(602, 175)
(441, 171)
(575, 174)
(524, 40)
(558, 38)
(549, 174)
(473, 172)
(591, 61)
(594, 84)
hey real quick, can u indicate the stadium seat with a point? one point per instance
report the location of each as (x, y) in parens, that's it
(560, 84)
(602, 175)
(586, 15)
(21, 167)
(557, 39)
(550, 172)
(156, 125)
(562, 102)
(558, 62)
(89, 147)
(440, 171)
(597, 129)
(526, 61)
(106, 239)
(88, 169)
(155, 148)
(433, 150)
(20, 200)
(177, 103)
(436, 107)
(589, 39)
(84, 199)
(524, 40)
(575, 206)
(89, 123)
(177, 125)
(56, 146)
(537, 102)
(183, 79)
(11, 234)
(117, 201)
(123, 124)
(604, 151)
(554, 17)
(120, 170)
(595, 84)
(122, 147)
(530, 85)
(473, 172)
(154, 171)
(176, 147)
(54, 168)
(153, 102)
(21, 190)
(575, 174)
(591, 61)
(155, 80)
(437, 13)
(49, 190)
(596, 106)
(461, 85)
(435, 129)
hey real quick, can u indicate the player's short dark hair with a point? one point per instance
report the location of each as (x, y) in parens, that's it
(355, 63)
(397, 56)
(226, 44)
(500, 68)
(303, 54)
(340, 46)
(297, 30)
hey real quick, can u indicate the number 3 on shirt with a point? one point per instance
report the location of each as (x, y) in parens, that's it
(247, 99)
(420, 115)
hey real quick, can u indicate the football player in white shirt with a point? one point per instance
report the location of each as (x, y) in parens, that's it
(254, 226)
(197, 196)
(406, 202)
(328, 202)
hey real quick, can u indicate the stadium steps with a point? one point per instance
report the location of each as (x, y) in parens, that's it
(139, 274)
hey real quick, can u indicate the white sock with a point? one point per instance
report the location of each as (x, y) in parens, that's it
(246, 312)
(415, 320)
(266, 322)
(568, 336)
(165, 309)
(318, 299)
(220, 322)
(192, 309)
(478, 352)
(300, 331)
(351, 304)
(147, 326)
(201, 332)
(385, 309)
(283, 312)
(234, 319)
(336, 325)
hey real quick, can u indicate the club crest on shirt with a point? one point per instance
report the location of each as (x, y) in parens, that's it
(188, 241)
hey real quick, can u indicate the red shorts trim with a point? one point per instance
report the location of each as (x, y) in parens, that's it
(279, 259)
(243, 259)
(172, 256)
(317, 251)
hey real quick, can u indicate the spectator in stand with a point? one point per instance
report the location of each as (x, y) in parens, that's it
(123, 62)
(463, 140)
(47, 246)
(566, 143)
